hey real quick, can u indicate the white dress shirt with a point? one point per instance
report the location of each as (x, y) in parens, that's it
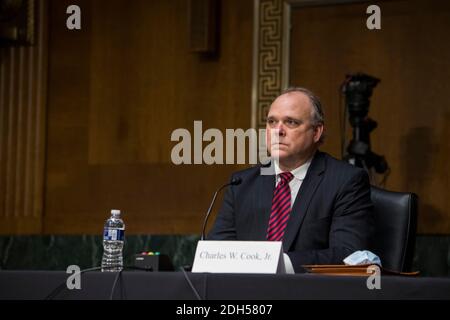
(299, 175)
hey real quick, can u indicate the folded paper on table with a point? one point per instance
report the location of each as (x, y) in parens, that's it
(357, 270)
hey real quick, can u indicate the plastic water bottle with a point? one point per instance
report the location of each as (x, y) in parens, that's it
(113, 237)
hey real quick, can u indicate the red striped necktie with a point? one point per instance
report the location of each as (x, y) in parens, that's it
(281, 208)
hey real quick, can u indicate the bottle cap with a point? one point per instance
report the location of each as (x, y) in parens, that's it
(115, 211)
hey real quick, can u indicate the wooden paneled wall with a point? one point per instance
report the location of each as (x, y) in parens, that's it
(23, 88)
(114, 91)
(117, 89)
(410, 54)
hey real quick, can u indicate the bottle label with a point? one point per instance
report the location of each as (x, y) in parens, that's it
(113, 234)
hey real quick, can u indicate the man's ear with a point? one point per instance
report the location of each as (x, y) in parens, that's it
(318, 131)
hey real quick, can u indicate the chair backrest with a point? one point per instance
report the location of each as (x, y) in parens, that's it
(395, 228)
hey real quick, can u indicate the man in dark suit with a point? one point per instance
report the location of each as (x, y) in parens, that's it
(319, 207)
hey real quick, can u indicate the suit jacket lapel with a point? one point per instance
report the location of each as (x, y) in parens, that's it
(300, 208)
(264, 196)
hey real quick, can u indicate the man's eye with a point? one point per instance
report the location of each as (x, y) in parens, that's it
(291, 122)
(270, 121)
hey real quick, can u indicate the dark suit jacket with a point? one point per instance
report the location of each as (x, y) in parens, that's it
(331, 216)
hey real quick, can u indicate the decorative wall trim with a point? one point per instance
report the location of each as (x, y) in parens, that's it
(267, 57)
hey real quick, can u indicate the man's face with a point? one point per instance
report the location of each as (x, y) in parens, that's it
(290, 119)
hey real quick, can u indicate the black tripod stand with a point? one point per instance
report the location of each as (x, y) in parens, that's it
(358, 90)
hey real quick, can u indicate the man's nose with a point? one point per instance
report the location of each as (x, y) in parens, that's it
(281, 129)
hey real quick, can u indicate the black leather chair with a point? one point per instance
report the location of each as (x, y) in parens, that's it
(395, 228)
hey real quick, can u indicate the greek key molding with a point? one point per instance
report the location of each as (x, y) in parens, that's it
(267, 57)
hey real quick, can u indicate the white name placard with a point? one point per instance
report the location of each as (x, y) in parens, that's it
(239, 257)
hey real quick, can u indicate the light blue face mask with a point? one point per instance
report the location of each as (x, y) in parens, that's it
(362, 257)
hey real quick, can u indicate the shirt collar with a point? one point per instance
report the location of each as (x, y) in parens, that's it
(299, 173)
